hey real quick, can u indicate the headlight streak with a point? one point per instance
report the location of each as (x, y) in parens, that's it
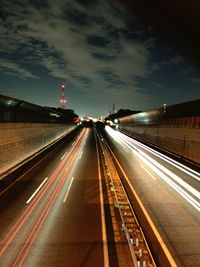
(164, 169)
(172, 175)
(160, 170)
(184, 194)
(6, 241)
(171, 161)
(174, 163)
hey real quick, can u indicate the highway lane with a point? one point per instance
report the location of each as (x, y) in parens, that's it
(74, 238)
(52, 216)
(169, 192)
(58, 213)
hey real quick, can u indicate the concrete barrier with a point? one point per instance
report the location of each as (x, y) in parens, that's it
(19, 141)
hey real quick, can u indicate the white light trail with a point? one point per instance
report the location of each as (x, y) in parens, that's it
(178, 189)
(118, 135)
(172, 175)
(173, 162)
(177, 183)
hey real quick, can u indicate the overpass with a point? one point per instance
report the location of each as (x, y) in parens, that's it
(92, 197)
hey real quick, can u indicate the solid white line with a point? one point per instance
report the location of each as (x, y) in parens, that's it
(73, 143)
(104, 234)
(36, 191)
(64, 155)
(81, 155)
(66, 195)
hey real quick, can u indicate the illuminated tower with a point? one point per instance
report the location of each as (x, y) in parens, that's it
(63, 100)
(114, 111)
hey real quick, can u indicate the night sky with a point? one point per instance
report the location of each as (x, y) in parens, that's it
(136, 54)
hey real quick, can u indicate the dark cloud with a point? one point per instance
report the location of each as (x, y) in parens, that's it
(101, 49)
(77, 17)
(38, 4)
(103, 57)
(176, 21)
(112, 78)
(97, 41)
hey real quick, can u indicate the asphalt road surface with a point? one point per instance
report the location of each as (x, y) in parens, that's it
(51, 216)
(54, 215)
(170, 193)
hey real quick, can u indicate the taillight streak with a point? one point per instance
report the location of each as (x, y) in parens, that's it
(23, 218)
(33, 234)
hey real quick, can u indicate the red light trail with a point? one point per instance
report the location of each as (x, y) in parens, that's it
(54, 185)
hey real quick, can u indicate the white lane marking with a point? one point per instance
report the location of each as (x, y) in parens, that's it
(168, 180)
(171, 161)
(7, 188)
(80, 155)
(146, 214)
(66, 195)
(103, 218)
(174, 163)
(64, 155)
(36, 191)
(176, 178)
(148, 161)
(148, 172)
(151, 162)
(73, 143)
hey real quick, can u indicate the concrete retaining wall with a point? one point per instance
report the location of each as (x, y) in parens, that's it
(182, 141)
(19, 141)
